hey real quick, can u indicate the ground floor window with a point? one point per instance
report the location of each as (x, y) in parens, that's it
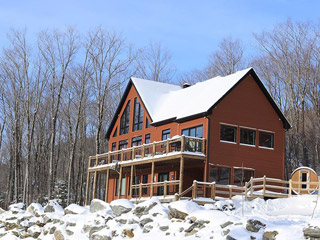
(220, 175)
(123, 187)
(144, 180)
(241, 176)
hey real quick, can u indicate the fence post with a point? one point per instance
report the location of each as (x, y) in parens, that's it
(165, 189)
(230, 192)
(142, 152)
(213, 190)
(153, 149)
(140, 190)
(167, 146)
(133, 152)
(264, 185)
(194, 189)
(290, 188)
(246, 191)
(251, 188)
(183, 138)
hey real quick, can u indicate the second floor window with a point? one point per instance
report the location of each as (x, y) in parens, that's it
(266, 139)
(124, 121)
(138, 116)
(228, 133)
(123, 144)
(247, 136)
(165, 134)
(136, 141)
(193, 132)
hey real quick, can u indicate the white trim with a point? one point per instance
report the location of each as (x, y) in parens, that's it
(267, 131)
(266, 148)
(228, 142)
(248, 128)
(245, 168)
(247, 145)
(228, 124)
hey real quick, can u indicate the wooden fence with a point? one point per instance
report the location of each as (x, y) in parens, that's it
(256, 187)
(147, 189)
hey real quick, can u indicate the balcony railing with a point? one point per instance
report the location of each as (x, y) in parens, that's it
(173, 145)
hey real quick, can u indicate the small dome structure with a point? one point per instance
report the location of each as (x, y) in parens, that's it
(304, 180)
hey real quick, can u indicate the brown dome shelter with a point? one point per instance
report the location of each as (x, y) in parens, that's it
(308, 179)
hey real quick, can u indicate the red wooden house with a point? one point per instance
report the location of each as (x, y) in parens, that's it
(164, 136)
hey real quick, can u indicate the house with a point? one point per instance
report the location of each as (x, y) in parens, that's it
(163, 136)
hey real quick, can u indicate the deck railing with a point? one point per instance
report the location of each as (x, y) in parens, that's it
(155, 149)
(256, 187)
(147, 189)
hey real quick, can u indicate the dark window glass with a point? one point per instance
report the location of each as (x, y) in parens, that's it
(228, 133)
(247, 136)
(147, 123)
(117, 184)
(115, 133)
(138, 116)
(136, 181)
(123, 144)
(266, 139)
(220, 175)
(136, 141)
(193, 132)
(114, 146)
(241, 176)
(165, 134)
(147, 138)
(144, 180)
(124, 121)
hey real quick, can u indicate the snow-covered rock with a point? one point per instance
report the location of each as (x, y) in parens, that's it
(17, 208)
(36, 209)
(1, 211)
(98, 205)
(74, 209)
(121, 206)
(53, 206)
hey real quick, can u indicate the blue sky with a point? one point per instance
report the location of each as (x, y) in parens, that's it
(191, 30)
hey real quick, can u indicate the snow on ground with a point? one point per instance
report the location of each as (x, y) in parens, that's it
(224, 219)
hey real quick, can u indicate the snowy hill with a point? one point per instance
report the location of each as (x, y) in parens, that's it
(225, 219)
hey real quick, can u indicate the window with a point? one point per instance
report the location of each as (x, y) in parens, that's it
(220, 175)
(117, 184)
(123, 144)
(114, 146)
(136, 141)
(124, 121)
(165, 134)
(241, 176)
(123, 186)
(138, 116)
(266, 139)
(228, 133)
(115, 133)
(136, 181)
(144, 180)
(147, 139)
(193, 132)
(247, 136)
(147, 123)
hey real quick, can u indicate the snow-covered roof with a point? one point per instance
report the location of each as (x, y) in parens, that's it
(166, 101)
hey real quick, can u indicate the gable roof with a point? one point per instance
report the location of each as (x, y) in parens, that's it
(168, 102)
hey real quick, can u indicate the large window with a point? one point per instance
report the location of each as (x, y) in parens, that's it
(114, 146)
(266, 140)
(136, 141)
(247, 136)
(123, 144)
(144, 180)
(241, 176)
(115, 133)
(165, 134)
(124, 121)
(193, 132)
(228, 133)
(220, 175)
(138, 116)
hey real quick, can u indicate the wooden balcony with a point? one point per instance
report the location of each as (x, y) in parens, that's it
(156, 151)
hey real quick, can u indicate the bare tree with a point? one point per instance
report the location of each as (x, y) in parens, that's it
(154, 63)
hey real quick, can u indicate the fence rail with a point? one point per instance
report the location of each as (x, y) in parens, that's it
(172, 145)
(256, 187)
(144, 189)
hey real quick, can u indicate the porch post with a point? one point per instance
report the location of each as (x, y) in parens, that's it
(152, 178)
(181, 174)
(120, 179)
(131, 178)
(107, 186)
(87, 188)
(94, 185)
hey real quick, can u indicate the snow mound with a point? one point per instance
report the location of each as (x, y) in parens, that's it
(185, 206)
